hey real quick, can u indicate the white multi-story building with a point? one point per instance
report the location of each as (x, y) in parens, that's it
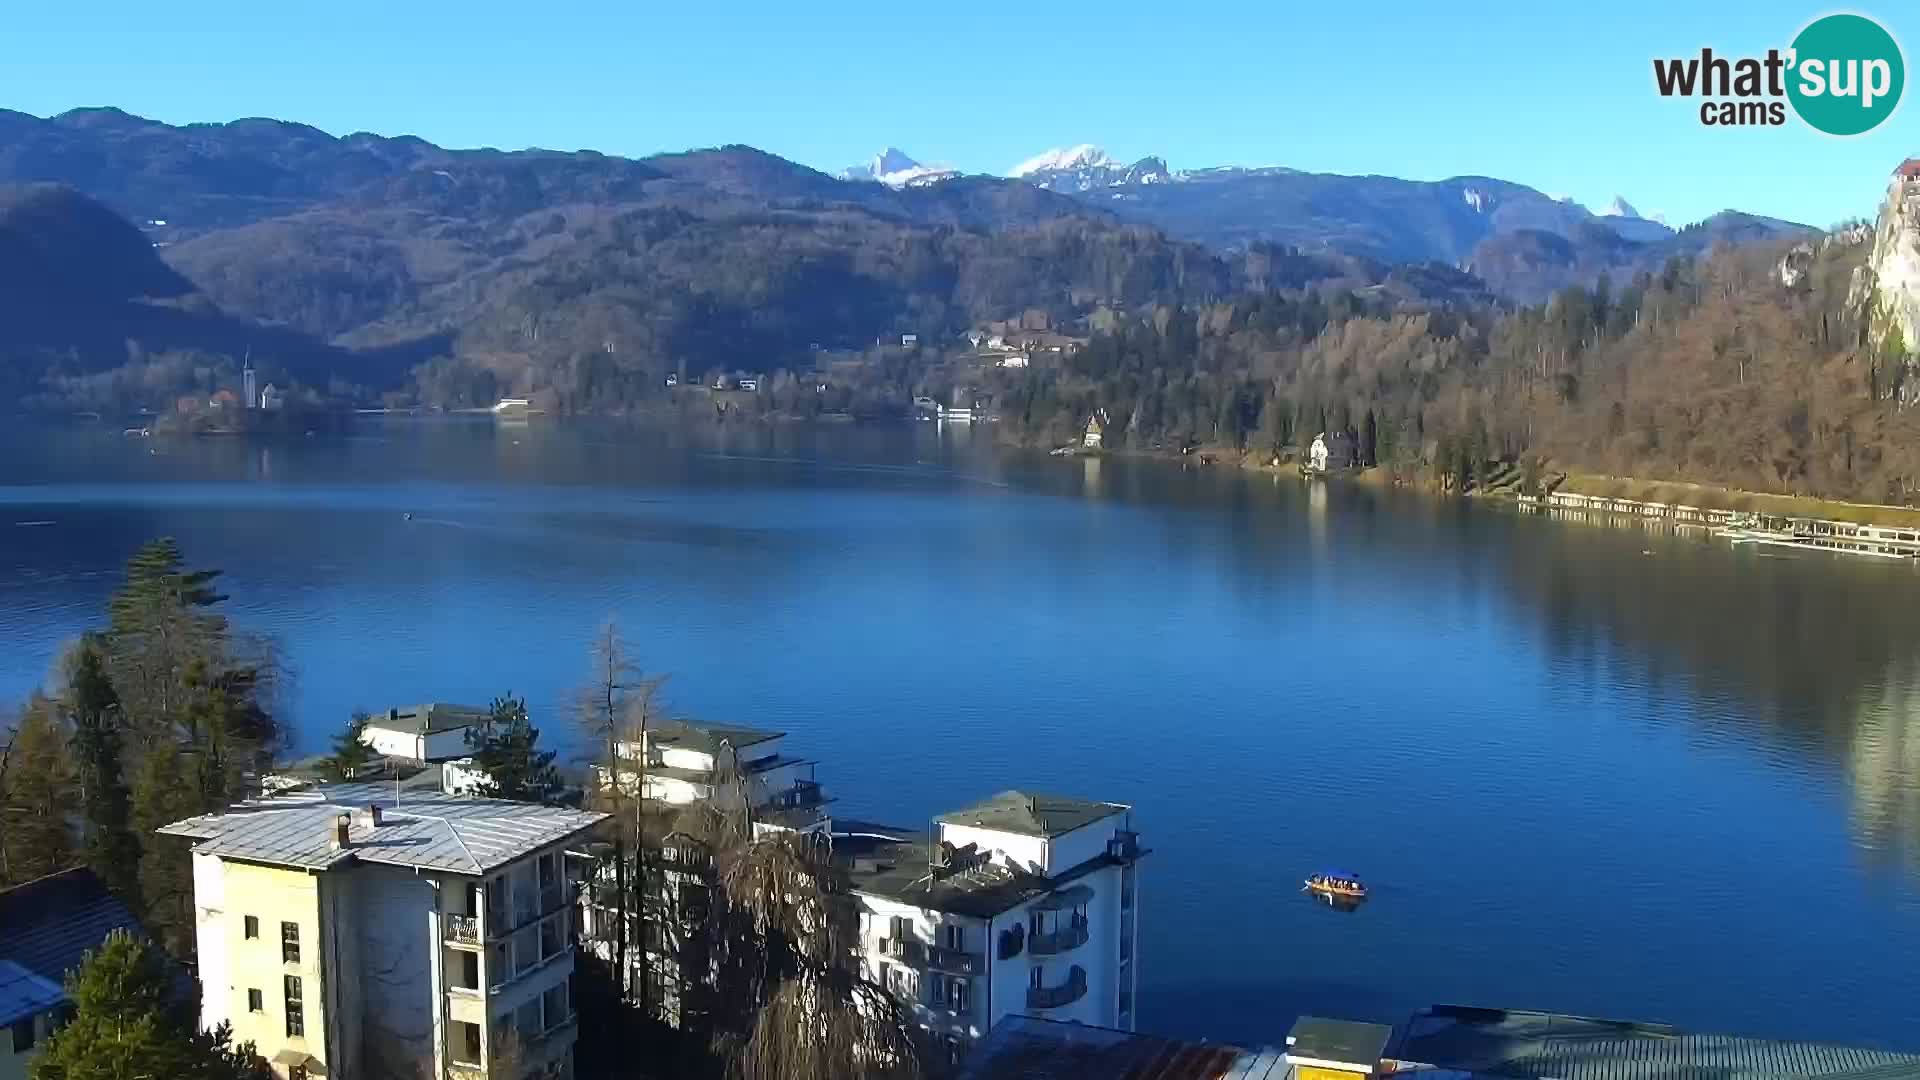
(1021, 905)
(348, 937)
(683, 764)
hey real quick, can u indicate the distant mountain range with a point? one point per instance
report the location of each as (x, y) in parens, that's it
(358, 257)
(1475, 222)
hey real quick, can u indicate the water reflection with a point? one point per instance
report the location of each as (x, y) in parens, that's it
(1883, 765)
(1090, 477)
(1814, 655)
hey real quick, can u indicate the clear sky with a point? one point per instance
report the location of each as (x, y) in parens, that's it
(1556, 96)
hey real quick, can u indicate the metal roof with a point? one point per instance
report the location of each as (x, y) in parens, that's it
(1027, 1048)
(1347, 1041)
(23, 993)
(425, 831)
(1029, 814)
(429, 719)
(50, 924)
(1537, 1045)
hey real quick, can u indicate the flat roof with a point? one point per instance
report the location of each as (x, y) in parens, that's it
(429, 719)
(1346, 1041)
(1027, 813)
(897, 864)
(706, 738)
(1528, 1045)
(427, 830)
(1029, 1048)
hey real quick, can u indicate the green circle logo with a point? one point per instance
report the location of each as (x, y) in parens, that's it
(1847, 74)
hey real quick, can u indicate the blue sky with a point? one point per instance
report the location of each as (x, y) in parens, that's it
(1555, 96)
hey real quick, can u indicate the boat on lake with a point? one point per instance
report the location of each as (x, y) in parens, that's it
(1336, 884)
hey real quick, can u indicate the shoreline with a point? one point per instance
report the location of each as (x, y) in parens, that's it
(1684, 495)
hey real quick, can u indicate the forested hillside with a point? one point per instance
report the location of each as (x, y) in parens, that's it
(1709, 370)
(90, 315)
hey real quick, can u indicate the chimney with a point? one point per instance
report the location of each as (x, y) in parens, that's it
(341, 823)
(368, 816)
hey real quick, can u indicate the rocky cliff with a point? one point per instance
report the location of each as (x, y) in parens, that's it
(1894, 266)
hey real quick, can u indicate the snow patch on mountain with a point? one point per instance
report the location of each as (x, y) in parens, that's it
(1084, 156)
(895, 169)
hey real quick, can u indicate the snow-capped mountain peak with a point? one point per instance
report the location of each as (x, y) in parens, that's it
(1619, 207)
(1085, 168)
(891, 160)
(1084, 156)
(894, 168)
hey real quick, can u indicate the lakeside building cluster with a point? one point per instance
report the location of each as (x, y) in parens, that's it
(409, 928)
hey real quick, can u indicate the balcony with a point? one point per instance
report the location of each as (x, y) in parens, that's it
(463, 929)
(955, 961)
(906, 950)
(1065, 939)
(1053, 997)
(528, 949)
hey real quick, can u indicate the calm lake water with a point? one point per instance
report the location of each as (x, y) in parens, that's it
(1587, 769)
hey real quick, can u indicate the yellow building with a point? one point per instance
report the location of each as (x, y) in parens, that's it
(348, 937)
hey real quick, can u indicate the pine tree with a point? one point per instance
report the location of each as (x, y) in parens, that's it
(163, 793)
(350, 750)
(506, 749)
(157, 630)
(130, 1023)
(181, 676)
(92, 710)
(37, 797)
(157, 572)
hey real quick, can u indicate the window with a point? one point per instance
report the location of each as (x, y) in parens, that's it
(470, 1039)
(252, 929)
(290, 942)
(23, 1035)
(256, 1001)
(960, 995)
(296, 1018)
(1034, 977)
(953, 936)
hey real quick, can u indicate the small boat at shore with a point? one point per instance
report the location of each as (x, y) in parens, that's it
(1336, 884)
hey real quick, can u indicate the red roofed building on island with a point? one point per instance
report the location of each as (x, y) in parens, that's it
(224, 398)
(1909, 170)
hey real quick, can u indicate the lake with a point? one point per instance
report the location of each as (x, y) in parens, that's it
(1586, 769)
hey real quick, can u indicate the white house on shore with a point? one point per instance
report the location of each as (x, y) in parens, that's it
(348, 937)
(1023, 904)
(423, 733)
